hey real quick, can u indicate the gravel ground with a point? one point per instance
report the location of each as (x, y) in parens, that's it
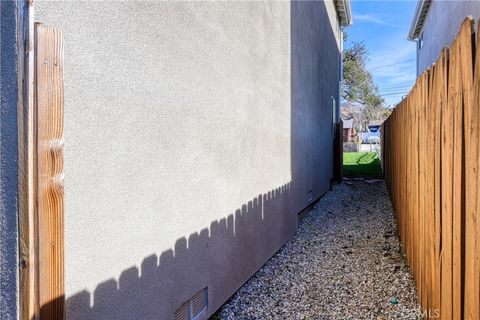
(344, 262)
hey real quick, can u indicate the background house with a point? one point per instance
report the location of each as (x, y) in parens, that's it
(195, 133)
(349, 132)
(435, 24)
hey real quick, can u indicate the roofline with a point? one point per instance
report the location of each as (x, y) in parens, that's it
(418, 19)
(344, 9)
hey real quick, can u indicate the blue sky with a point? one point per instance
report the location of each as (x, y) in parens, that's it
(383, 26)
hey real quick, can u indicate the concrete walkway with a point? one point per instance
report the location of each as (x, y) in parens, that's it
(345, 262)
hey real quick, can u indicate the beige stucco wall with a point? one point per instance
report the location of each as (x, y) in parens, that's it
(180, 120)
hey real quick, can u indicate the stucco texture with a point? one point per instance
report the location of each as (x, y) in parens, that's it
(441, 26)
(194, 134)
(8, 161)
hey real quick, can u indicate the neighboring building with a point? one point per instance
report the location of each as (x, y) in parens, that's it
(349, 132)
(195, 133)
(434, 26)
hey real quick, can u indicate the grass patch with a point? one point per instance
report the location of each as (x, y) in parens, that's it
(361, 165)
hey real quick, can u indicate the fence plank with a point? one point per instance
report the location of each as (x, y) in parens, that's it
(440, 95)
(472, 206)
(49, 107)
(431, 145)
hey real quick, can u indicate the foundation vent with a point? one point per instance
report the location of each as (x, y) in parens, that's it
(194, 307)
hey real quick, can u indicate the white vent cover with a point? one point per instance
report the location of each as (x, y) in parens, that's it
(193, 307)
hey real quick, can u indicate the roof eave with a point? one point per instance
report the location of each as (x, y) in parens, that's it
(418, 19)
(344, 9)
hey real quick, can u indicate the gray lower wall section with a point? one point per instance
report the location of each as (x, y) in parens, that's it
(194, 134)
(8, 162)
(315, 74)
(441, 26)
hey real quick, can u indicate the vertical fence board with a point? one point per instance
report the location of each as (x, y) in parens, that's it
(49, 109)
(472, 223)
(447, 195)
(455, 98)
(430, 191)
(431, 145)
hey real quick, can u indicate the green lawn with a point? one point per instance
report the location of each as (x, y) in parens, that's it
(361, 165)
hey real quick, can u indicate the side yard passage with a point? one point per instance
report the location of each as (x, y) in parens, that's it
(345, 262)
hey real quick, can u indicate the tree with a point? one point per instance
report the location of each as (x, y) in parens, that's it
(358, 85)
(359, 90)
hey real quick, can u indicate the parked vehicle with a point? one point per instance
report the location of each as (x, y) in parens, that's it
(372, 135)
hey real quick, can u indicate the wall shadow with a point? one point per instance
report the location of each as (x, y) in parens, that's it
(224, 255)
(220, 258)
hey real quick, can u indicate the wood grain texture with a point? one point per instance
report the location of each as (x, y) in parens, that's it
(472, 205)
(446, 177)
(49, 97)
(431, 147)
(455, 98)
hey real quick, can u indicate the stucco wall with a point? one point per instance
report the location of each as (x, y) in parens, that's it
(315, 77)
(194, 134)
(8, 162)
(441, 26)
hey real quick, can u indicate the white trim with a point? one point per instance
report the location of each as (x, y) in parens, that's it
(418, 19)
(344, 9)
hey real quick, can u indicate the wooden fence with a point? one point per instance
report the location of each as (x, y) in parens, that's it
(431, 160)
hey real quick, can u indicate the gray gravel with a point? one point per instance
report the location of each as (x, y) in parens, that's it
(344, 262)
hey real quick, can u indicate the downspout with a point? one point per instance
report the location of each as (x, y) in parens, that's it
(341, 76)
